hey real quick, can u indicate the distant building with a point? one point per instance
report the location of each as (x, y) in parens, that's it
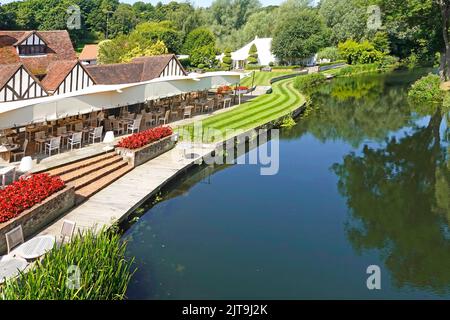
(89, 54)
(265, 56)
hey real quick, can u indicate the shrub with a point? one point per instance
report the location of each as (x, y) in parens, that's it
(426, 90)
(252, 55)
(140, 139)
(226, 60)
(308, 81)
(359, 53)
(331, 53)
(104, 271)
(25, 193)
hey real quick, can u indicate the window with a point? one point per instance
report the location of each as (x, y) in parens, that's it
(31, 49)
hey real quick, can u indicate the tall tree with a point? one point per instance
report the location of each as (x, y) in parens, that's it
(299, 35)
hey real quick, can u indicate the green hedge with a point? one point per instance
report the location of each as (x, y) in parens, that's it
(308, 81)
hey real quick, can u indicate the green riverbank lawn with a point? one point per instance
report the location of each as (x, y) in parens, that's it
(283, 100)
(263, 78)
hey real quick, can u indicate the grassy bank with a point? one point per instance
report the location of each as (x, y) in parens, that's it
(98, 261)
(263, 78)
(266, 108)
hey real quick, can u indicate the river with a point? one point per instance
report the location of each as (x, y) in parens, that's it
(363, 180)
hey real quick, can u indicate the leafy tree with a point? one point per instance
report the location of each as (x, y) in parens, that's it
(346, 18)
(330, 53)
(261, 24)
(362, 52)
(153, 31)
(299, 35)
(205, 55)
(252, 55)
(197, 38)
(123, 21)
(153, 50)
(7, 18)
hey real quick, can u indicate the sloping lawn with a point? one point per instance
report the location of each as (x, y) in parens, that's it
(268, 107)
(263, 78)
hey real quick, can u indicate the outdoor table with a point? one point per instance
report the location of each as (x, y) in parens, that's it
(6, 150)
(36, 247)
(11, 266)
(4, 171)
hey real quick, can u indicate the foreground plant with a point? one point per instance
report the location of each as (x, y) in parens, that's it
(90, 267)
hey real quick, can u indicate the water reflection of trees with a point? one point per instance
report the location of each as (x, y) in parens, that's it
(355, 109)
(398, 197)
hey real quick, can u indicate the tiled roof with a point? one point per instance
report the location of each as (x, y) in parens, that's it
(89, 52)
(116, 73)
(140, 69)
(57, 72)
(6, 72)
(59, 47)
(154, 65)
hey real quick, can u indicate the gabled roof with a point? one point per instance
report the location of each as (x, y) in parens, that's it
(57, 72)
(28, 34)
(89, 52)
(140, 69)
(116, 73)
(59, 47)
(7, 71)
(154, 65)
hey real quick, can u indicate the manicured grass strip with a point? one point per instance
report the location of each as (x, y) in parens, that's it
(263, 78)
(263, 109)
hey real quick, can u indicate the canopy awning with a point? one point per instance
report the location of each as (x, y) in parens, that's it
(98, 97)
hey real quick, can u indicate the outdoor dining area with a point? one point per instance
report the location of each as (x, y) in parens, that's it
(21, 254)
(40, 140)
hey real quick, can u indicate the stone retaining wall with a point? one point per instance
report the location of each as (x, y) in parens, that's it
(37, 217)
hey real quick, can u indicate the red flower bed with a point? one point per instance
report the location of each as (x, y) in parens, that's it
(223, 89)
(138, 140)
(241, 88)
(25, 193)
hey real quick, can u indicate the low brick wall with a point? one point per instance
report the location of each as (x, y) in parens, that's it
(139, 156)
(37, 217)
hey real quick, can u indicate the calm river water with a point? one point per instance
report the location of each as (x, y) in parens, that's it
(364, 180)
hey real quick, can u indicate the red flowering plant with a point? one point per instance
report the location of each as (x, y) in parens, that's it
(223, 89)
(25, 193)
(241, 88)
(140, 139)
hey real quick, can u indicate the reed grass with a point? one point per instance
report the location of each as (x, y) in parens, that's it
(104, 271)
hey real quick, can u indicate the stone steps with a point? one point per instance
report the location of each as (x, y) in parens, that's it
(59, 171)
(93, 174)
(90, 189)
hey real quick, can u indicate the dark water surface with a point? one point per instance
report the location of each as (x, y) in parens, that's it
(364, 180)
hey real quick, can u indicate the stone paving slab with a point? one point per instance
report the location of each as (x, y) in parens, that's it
(122, 197)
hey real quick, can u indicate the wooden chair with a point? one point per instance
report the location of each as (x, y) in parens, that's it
(39, 140)
(117, 128)
(20, 152)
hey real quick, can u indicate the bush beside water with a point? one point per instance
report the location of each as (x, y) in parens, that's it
(104, 271)
(426, 90)
(308, 81)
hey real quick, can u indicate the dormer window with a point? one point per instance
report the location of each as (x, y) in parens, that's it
(31, 44)
(31, 49)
